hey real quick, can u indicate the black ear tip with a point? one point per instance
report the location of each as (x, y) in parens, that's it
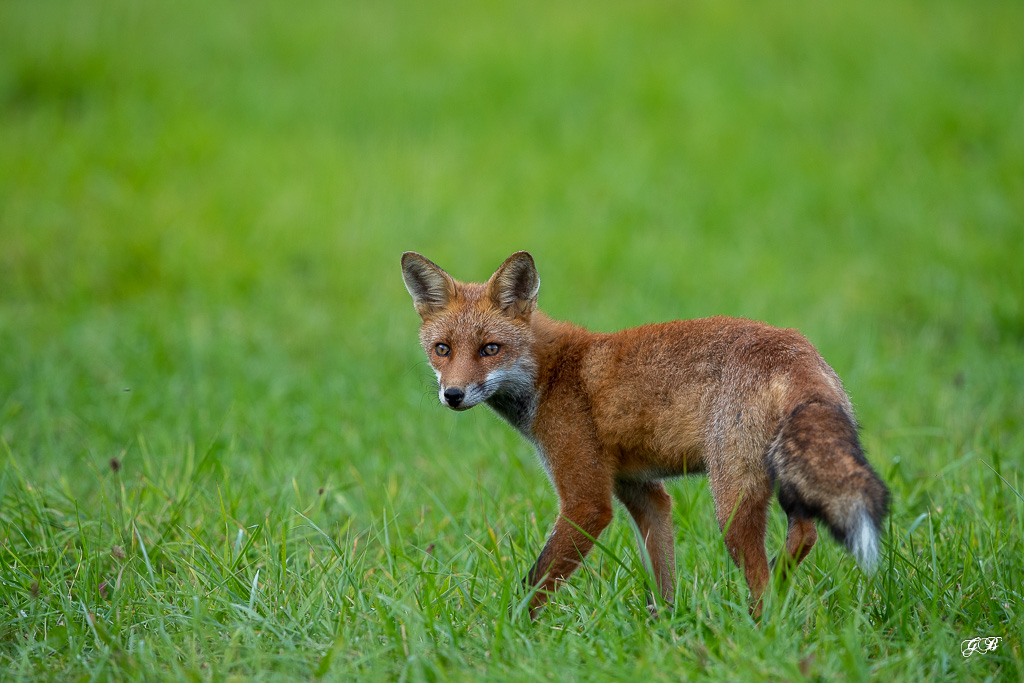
(521, 260)
(524, 255)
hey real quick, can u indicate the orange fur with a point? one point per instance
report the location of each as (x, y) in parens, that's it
(611, 415)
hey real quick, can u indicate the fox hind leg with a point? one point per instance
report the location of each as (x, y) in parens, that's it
(800, 538)
(742, 513)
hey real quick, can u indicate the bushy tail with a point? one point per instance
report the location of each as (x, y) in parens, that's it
(820, 470)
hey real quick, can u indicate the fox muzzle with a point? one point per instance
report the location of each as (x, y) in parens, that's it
(453, 396)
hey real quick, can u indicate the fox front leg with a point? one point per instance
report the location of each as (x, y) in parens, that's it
(584, 483)
(576, 528)
(651, 508)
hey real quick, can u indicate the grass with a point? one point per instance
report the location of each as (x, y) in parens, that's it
(221, 455)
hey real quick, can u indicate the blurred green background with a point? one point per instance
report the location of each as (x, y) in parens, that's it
(204, 335)
(202, 206)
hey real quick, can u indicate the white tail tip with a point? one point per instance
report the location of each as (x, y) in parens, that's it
(863, 542)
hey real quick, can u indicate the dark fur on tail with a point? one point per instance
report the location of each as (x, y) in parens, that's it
(819, 467)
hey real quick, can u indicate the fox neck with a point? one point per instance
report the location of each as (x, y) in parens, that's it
(517, 400)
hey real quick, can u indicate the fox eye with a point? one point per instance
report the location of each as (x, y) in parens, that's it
(442, 349)
(490, 349)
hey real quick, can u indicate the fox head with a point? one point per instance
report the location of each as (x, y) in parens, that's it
(477, 337)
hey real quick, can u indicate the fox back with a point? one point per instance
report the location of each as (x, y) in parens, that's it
(754, 407)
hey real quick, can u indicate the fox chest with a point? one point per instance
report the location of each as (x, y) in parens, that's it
(519, 412)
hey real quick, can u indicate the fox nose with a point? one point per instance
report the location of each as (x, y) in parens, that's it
(454, 396)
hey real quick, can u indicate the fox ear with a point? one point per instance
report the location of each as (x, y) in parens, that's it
(431, 288)
(513, 287)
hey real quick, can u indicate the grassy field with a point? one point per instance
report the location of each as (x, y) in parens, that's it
(222, 457)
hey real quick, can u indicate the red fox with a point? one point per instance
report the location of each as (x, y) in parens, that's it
(612, 415)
